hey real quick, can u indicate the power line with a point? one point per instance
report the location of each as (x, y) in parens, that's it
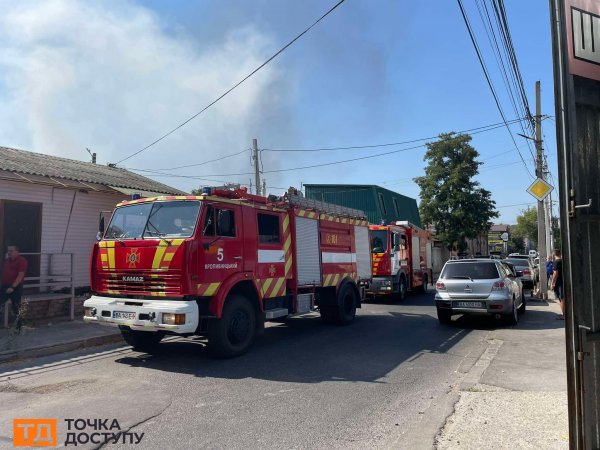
(476, 130)
(236, 85)
(489, 81)
(199, 164)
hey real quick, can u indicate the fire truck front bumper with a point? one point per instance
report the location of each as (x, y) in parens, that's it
(381, 286)
(176, 316)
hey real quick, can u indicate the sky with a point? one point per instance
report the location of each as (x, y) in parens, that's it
(114, 76)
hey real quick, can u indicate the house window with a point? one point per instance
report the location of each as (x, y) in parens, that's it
(395, 200)
(382, 204)
(268, 229)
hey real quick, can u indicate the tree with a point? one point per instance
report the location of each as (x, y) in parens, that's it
(527, 226)
(450, 198)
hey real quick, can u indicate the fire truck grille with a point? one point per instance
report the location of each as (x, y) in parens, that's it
(141, 284)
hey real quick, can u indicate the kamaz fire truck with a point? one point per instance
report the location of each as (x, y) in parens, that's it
(402, 259)
(222, 263)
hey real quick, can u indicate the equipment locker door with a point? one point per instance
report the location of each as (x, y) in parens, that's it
(271, 256)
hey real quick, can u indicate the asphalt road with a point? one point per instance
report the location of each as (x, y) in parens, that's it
(386, 381)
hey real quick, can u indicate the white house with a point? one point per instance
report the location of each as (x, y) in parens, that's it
(50, 207)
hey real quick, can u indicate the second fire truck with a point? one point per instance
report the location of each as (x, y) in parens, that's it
(402, 259)
(223, 263)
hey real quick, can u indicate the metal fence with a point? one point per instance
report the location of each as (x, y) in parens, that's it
(55, 280)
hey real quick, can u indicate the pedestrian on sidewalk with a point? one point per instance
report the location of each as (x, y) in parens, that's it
(11, 287)
(557, 282)
(549, 269)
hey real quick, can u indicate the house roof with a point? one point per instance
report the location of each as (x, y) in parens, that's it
(56, 168)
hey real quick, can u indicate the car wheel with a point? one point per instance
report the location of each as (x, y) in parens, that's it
(142, 341)
(523, 306)
(232, 334)
(512, 318)
(444, 315)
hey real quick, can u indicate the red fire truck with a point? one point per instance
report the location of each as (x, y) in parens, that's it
(222, 263)
(402, 261)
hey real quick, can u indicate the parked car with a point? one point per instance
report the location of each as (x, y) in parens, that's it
(478, 286)
(525, 265)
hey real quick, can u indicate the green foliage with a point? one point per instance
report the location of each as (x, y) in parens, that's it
(527, 226)
(196, 191)
(516, 244)
(450, 198)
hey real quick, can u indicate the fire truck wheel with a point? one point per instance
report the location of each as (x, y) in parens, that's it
(424, 284)
(347, 305)
(233, 334)
(401, 289)
(143, 341)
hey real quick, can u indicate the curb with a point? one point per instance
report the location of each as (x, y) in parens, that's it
(61, 347)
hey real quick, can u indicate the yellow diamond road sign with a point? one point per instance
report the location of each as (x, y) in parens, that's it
(540, 189)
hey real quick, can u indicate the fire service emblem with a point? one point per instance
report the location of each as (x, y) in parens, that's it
(133, 257)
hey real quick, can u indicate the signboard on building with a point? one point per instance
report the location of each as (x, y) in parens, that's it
(582, 25)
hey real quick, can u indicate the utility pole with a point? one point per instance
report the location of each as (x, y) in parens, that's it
(548, 215)
(541, 210)
(255, 157)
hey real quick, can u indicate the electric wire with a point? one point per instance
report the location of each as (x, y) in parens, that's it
(235, 85)
(489, 81)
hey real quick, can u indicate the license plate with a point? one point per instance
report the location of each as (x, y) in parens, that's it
(123, 315)
(468, 304)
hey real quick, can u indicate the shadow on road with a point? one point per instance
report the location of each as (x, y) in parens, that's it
(303, 350)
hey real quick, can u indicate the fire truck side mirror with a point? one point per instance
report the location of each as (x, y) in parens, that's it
(101, 225)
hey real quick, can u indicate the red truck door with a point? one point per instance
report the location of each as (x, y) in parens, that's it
(222, 253)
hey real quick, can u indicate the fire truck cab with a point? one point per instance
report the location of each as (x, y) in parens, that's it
(402, 261)
(221, 264)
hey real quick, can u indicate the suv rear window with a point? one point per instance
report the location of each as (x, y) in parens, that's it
(474, 270)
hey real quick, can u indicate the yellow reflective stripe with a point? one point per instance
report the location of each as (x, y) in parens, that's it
(275, 292)
(158, 256)
(266, 285)
(288, 243)
(212, 288)
(286, 223)
(336, 279)
(327, 280)
(288, 265)
(169, 256)
(111, 254)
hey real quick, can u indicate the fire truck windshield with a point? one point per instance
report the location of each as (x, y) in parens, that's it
(378, 241)
(158, 219)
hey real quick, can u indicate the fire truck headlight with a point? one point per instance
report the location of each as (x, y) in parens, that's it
(387, 283)
(173, 319)
(89, 312)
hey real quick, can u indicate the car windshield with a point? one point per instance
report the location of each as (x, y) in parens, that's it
(473, 270)
(517, 262)
(158, 219)
(378, 241)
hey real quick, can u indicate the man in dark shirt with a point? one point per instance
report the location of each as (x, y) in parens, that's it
(557, 281)
(13, 274)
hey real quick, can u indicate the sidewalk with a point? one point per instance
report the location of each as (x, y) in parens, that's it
(54, 337)
(516, 394)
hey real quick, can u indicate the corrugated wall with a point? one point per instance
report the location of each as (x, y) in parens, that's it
(407, 208)
(56, 205)
(366, 198)
(351, 196)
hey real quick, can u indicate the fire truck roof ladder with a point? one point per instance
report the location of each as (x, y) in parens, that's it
(329, 208)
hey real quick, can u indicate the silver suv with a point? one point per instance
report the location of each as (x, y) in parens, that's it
(476, 286)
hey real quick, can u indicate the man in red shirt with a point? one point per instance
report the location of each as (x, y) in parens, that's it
(13, 274)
